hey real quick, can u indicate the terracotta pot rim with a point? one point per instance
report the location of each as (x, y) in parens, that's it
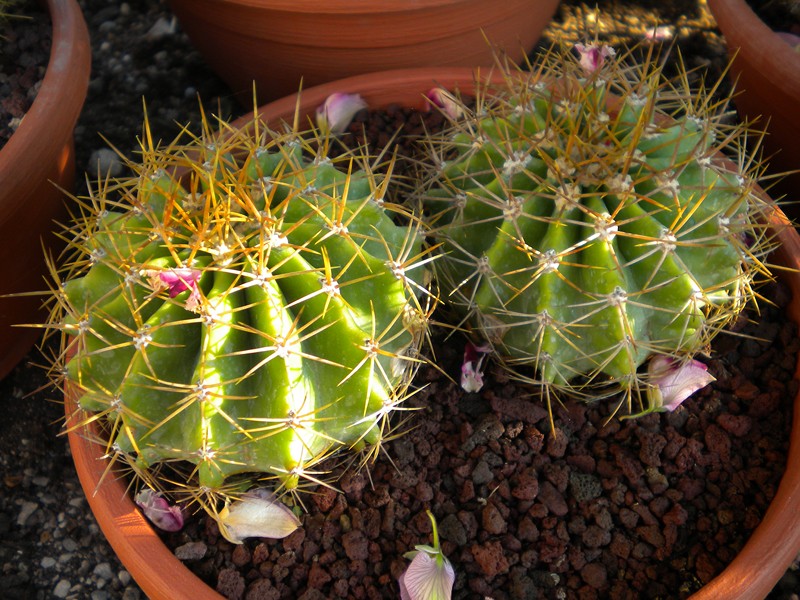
(57, 105)
(342, 6)
(743, 29)
(36, 164)
(751, 575)
(276, 43)
(343, 36)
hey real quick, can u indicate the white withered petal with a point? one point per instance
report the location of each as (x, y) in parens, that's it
(258, 513)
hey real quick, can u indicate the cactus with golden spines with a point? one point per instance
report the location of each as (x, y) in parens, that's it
(588, 221)
(244, 303)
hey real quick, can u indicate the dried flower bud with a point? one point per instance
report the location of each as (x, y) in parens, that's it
(592, 56)
(158, 511)
(258, 513)
(471, 373)
(445, 101)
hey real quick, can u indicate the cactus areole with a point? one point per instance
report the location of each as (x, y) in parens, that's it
(251, 316)
(588, 221)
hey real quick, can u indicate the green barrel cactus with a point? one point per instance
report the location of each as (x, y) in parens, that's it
(588, 222)
(246, 303)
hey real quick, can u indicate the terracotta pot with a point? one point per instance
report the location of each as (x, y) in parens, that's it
(37, 161)
(767, 72)
(283, 43)
(752, 574)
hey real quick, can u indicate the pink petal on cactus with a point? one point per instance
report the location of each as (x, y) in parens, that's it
(176, 281)
(592, 56)
(159, 512)
(193, 301)
(471, 374)
(673, 381)
(444, 100)
(338, 110)
(180, 280)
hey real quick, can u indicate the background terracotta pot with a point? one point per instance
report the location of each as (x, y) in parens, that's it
(39, 157)
(752, 574)
(767, 71)
(279, 43)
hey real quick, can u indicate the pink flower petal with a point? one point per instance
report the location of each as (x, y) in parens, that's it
(592, 56)
(174, 280)
(444, 100)
(404, 595)
(673, 381)
(471, 374)
(180, 280)
(338, 110)
(471, 380)
(428, 577)
(158, 511)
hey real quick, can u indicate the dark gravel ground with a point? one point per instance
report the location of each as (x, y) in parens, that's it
(50, 546)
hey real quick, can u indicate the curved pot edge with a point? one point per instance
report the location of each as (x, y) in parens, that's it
(775, 543)
(756, 42)
(63, 91)
(750, 576)
(232, 43)
(35, 173)
(346, 6)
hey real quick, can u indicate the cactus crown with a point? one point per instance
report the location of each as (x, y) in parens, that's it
(244, 303)
(589, 221)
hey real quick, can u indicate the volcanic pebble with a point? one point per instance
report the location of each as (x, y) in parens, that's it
(595, 575)
(490, 558)
(553, 499)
